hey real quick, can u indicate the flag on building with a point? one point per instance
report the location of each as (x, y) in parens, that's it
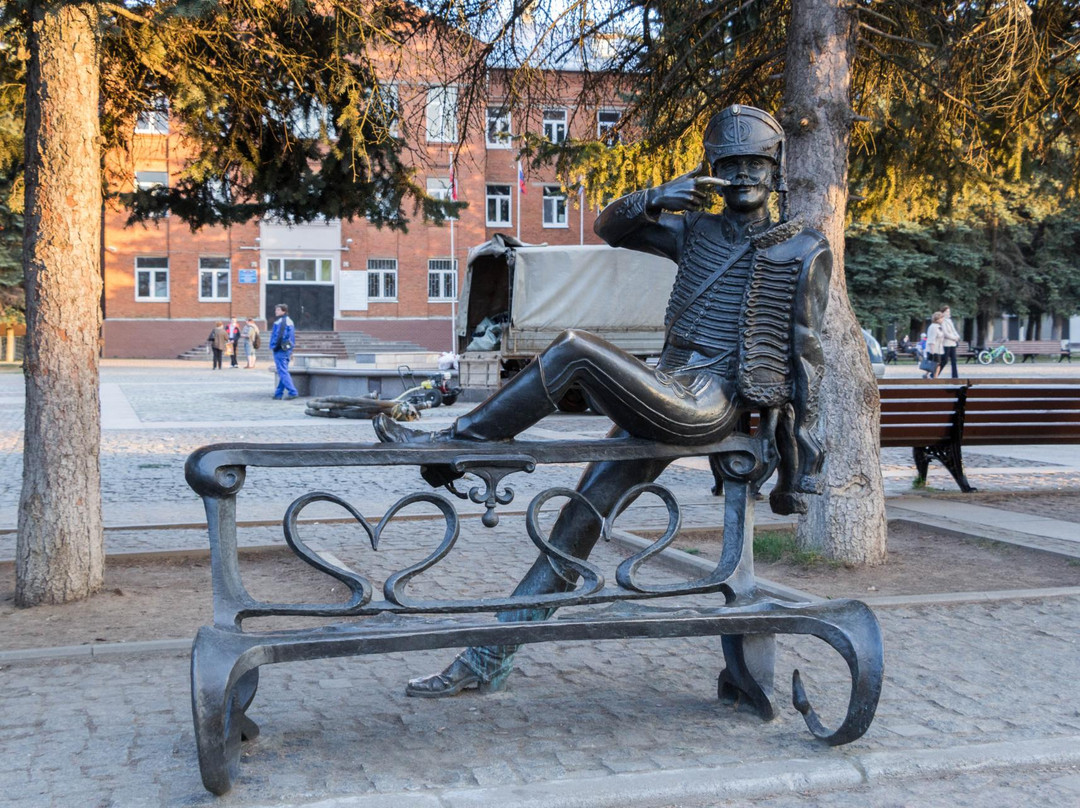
(453, 183)
(521, 178)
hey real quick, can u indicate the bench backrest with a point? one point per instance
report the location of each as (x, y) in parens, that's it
(998, 413)
(918, 414)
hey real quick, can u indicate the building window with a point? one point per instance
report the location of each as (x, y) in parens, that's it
(498, 128)
(214, 279)
(439, 188)
(149, 180)
(151, 278)
(311, 123)
(442, 114)
(554, 207)
(382, 278)
(498, 205)
(555, 125)
(388, 108)
(442, 279)
(154, 120)
(606, 121)
(300, 270)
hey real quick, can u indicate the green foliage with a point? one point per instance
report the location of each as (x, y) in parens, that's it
(285, 109)
(12, 75)
(772, 546)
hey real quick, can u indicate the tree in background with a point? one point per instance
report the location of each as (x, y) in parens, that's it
(285, 109)
(939, 99)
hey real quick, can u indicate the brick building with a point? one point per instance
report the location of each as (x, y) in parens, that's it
(165, 286)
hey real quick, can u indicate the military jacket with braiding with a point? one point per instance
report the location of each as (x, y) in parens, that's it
(743, 319)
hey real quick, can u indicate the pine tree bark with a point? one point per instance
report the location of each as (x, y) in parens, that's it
(847, 522)
(60, 543)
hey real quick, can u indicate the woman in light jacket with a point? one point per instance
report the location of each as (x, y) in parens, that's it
(935, 344)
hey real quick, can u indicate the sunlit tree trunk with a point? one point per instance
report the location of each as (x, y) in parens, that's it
(847, 522)
(60, 546)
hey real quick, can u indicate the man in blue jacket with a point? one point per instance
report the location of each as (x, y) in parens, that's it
(282, 340)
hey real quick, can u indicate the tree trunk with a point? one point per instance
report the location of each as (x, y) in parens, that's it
(60, 544)
(847, 522)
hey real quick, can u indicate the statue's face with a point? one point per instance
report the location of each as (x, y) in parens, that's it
(751, 181)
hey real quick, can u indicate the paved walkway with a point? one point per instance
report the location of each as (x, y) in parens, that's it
(976, 708)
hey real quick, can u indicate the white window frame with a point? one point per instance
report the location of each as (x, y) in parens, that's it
(441, 115)
(382, 268)
(554, 123)
(154, 120)
(149, 180)
(215, 273)
(439, 188)
(444, 267)
(309, 125)
(503, 205)
(555, 203)
(151, 271)
(603, 128)
(317, 259)
(390, 108)
(502, 130)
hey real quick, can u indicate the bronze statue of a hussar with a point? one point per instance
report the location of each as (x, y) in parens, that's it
(743, 324)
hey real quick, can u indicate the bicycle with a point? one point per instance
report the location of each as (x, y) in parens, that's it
(986, 355)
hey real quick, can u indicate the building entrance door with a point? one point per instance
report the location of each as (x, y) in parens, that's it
(311, 306)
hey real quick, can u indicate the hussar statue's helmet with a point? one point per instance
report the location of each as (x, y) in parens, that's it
(740, 131)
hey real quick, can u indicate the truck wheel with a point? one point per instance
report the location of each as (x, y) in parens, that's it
(573, 401)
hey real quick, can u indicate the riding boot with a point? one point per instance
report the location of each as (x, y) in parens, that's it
(519, 404)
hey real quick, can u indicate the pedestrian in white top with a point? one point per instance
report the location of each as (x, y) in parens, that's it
(952, 337)
(935, 344)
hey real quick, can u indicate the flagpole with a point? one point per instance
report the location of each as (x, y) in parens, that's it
(453, 262)
(581, 213)
(520, 180)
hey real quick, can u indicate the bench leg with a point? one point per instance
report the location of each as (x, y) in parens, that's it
(748, 677)
(951, 457)
(219, 700)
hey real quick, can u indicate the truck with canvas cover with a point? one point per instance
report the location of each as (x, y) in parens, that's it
(518, 297)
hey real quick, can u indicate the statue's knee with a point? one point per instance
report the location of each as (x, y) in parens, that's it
(571, 343)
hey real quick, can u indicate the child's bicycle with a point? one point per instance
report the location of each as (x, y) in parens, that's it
(988, 355)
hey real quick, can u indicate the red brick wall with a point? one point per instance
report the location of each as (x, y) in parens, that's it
(170, 327)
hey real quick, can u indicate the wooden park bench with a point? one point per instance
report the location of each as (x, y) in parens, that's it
(1031, 348)
(938, 418)
(226, 657)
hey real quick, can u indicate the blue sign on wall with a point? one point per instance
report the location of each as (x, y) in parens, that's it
(247, 276)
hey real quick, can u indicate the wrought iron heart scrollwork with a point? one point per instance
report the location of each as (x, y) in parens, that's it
(566, 566)
(626, 574)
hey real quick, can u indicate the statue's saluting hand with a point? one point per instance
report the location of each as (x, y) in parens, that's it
(688, 192)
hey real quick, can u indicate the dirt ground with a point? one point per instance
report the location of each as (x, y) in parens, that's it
(149, 599)
(156, 600)
(922, 560)
(1051, 506)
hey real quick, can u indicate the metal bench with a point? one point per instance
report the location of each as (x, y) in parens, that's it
(226, 658)
(938, 418)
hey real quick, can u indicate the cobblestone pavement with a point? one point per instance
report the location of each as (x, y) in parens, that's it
(156, 413)
(116, 730)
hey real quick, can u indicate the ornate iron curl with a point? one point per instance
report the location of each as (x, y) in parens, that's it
(593, 579)
(492, 470)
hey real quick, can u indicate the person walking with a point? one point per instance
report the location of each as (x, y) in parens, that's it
(952, 338)
(935, 344)
(249, 338)
(233, 331)
(218, 340)
(282, 340)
